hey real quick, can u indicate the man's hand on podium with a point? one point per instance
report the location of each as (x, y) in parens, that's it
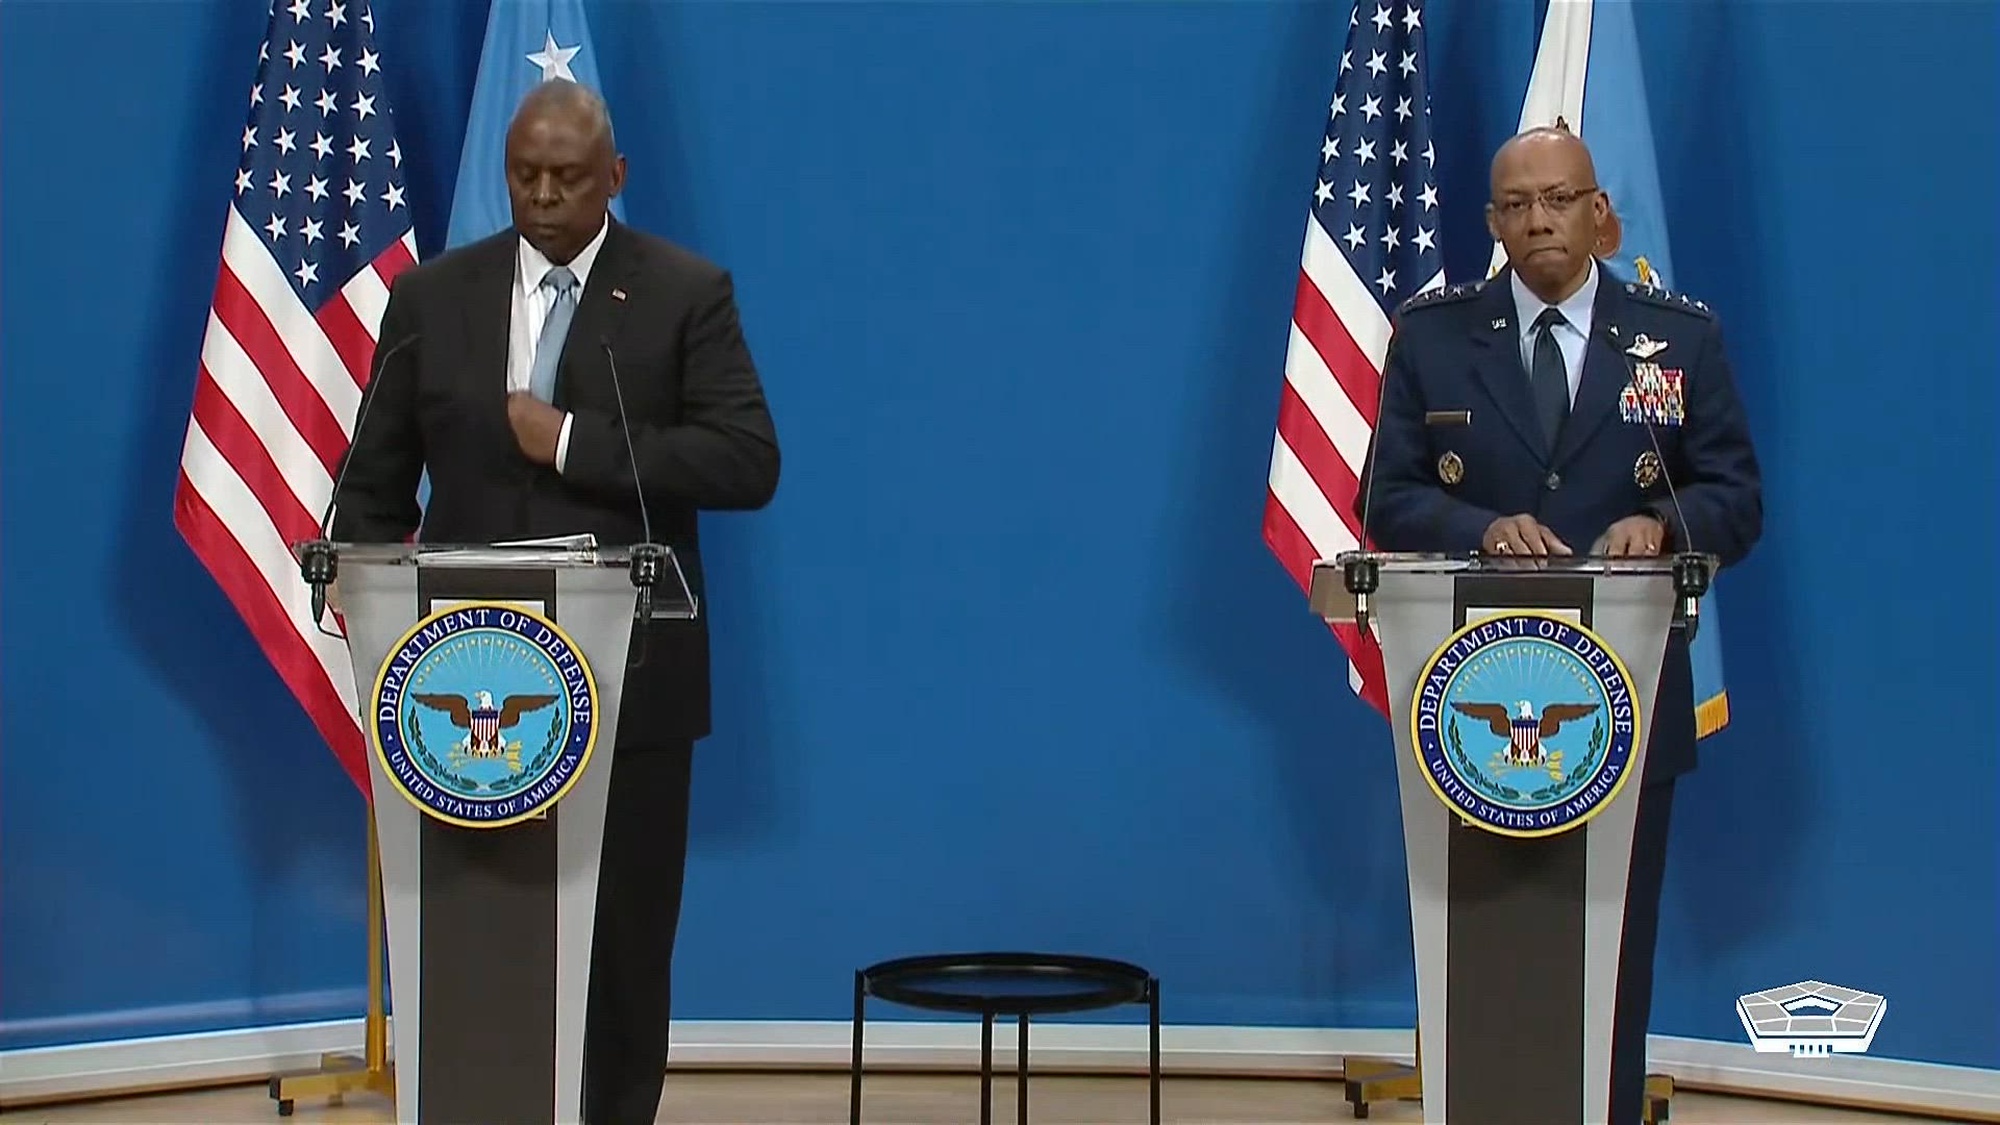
(1634, 536)
(1521, 535)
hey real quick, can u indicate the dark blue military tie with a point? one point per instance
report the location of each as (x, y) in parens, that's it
(1549, 378)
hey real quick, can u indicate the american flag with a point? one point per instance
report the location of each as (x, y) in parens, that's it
(1371, 242)
(317, 227)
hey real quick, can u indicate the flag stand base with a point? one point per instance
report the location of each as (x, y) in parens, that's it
(340, 1074)
(1380, 1080)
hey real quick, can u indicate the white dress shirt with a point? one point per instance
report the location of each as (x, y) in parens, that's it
(531, 308)
(1572, 337)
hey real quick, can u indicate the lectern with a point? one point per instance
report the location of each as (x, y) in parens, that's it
(1521, 696)
(489, 680)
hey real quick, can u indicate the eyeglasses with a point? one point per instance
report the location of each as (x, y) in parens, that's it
(1557, 200)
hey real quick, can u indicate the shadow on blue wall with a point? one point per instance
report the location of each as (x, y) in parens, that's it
(1728, 893)
(1215, 573)
(282, 778)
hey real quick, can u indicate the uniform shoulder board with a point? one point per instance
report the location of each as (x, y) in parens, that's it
(1442, 295)
(1667, 299)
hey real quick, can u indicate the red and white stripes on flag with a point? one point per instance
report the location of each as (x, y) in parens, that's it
(1371, 242)
(316, 230)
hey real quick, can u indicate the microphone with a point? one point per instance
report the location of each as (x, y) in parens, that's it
(317, 564)
(647, 557)
(1691, 577)
(1362, 575)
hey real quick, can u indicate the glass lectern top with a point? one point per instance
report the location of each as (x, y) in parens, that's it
(1439, 563)
(483, 555)
(562, 551)
(1332, 597)
(656, 573)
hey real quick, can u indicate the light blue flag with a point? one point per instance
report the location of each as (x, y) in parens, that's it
(527, 42)
(1589, 73)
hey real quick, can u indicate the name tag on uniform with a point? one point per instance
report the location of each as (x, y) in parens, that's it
(1447, 417)
(1654, 395)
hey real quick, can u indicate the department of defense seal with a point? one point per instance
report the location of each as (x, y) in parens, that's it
(1525, 724)
(484, 714)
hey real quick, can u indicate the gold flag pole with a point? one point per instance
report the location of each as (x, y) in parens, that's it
(381, 1072)
(340, 1073)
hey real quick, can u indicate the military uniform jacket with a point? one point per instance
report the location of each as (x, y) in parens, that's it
(1457, 443)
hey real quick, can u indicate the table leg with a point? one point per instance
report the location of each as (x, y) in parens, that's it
(1021, 1076)
(1153, 1002)
(986, 1069)
(854, 1074)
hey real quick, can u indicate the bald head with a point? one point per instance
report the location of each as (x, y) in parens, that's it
(563, 167)
(1546, 209)
(562, 97)
(1546, 146)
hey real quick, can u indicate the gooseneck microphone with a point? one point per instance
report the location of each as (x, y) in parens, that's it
(317, 563)
(1362, 575)
(647, 557)
(1691, 576)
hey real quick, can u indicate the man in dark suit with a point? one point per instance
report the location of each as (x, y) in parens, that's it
(506, 394)
(1506, 427)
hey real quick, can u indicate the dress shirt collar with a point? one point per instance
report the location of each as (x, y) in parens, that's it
(1576, 308)
(531, 266)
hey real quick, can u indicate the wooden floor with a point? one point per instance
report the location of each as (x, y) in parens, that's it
(821, 1099)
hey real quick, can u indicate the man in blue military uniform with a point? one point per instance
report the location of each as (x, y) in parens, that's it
(1514, 420)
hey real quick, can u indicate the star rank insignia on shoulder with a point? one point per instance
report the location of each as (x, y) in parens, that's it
(1666, 299)
(1442, 295)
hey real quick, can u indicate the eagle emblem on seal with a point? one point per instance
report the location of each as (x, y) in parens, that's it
(483, 721)
(1524, 731)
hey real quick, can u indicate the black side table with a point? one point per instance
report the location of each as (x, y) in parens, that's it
(1005, 984)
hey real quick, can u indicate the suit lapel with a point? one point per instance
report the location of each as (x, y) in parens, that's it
(600, 311)
(1497, 360)
(488, 313)
(1604, 373)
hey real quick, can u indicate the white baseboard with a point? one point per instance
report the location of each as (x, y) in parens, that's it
(253, 1053)
(1929, 1087)
(215, 1056)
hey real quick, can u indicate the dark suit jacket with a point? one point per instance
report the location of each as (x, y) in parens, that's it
(1454, 384)
(701, 431)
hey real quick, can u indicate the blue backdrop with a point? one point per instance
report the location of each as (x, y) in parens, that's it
(1006, 662)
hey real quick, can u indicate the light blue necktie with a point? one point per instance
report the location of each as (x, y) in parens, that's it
(548, 350)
